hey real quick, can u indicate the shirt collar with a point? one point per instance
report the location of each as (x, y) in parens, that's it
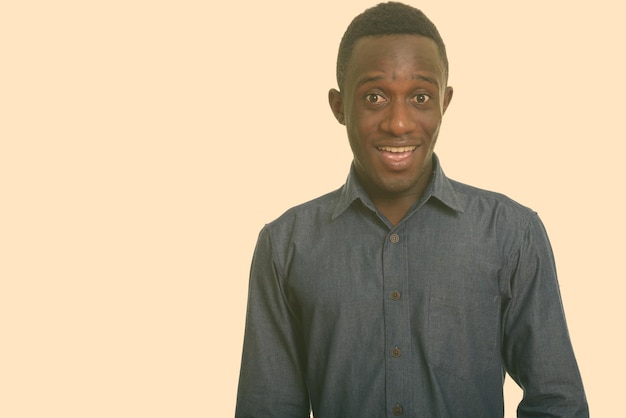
(439, 188)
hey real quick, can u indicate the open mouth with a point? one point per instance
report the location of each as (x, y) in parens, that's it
(398, 150)
(397, 157)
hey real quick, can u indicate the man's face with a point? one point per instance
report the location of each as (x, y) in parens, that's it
(392, 102)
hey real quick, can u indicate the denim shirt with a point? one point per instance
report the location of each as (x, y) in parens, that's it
(349, 316)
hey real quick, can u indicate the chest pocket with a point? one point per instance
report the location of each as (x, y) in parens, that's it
(463, 330)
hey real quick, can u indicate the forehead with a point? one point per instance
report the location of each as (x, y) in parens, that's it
(394, 55)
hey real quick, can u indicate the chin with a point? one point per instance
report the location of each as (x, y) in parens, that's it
(398, 185)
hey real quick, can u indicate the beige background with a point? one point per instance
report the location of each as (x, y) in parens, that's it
(144, 144)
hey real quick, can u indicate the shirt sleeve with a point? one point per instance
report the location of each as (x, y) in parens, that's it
(537, 351)
(272, 379)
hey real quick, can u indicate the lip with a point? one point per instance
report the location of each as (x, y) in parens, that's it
(396, 157)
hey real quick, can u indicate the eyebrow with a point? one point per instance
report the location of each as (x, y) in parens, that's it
(426, 79)
(366, 80)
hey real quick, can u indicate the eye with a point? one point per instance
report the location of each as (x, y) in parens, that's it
(374, 98)
(422, 98)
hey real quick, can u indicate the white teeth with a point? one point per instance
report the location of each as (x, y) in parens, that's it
(397, 149)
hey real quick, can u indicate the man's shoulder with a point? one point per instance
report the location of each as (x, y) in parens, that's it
(473, 197)
(318, 208)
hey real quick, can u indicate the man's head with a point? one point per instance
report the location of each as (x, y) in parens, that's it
(390, 18)
(393, 93)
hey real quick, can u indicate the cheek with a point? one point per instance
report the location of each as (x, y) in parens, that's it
(360, 129)
(430, 125)
(366, 125)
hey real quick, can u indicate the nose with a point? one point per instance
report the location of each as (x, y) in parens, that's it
(399, 119)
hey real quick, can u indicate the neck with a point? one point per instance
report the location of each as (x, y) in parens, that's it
(395, 209)
(395, 205)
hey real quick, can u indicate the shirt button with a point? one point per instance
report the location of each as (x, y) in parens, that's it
(394, 238)
(396, 352)
(395, 295)
(397, 409)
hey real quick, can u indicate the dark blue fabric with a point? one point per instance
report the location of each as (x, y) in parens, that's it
(352, 317)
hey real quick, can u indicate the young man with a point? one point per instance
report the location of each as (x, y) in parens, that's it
(403, 293)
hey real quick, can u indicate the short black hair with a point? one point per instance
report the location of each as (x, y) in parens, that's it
(391, 18)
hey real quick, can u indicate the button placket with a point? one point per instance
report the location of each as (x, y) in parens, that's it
(397, 329)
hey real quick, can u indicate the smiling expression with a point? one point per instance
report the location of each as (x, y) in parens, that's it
(392, 101)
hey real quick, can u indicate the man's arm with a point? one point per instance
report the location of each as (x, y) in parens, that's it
(537, 351)
(271, 381)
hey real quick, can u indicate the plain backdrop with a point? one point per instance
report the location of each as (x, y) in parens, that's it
(143, 145)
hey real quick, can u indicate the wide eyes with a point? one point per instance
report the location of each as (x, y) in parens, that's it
(422, 98)
(377, 99)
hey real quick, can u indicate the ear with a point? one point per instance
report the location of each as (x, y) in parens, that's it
(447, 97)
(336, 105)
